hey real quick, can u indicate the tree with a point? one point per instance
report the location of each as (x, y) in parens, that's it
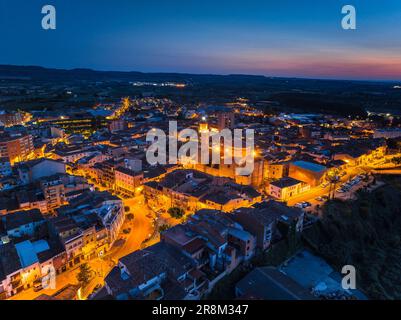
(364, 233)
(176, 212)
(396, 160)
(84, 275)
(164, 227)
(393, 144)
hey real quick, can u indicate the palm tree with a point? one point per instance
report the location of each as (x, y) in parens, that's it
(333, 180)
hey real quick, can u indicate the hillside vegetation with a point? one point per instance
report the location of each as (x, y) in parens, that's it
(365, 233)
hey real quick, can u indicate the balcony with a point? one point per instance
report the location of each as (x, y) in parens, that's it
(16, 283)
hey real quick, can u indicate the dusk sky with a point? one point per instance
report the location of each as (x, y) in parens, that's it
(298, 38)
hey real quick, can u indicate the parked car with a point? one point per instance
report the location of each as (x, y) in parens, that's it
(37, 286)
(97, 287)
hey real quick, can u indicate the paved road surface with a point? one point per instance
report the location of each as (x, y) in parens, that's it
(141, 227)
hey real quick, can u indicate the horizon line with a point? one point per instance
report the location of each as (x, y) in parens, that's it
(205, 74)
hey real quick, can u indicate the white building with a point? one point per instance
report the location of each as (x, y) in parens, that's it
(387, 133)
(33, 170)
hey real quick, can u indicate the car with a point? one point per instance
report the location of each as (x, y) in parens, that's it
(302, 204)
(325, 198)
(97, 287)
(37, 286)
(320, 199)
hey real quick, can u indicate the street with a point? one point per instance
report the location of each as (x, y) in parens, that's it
(140, 232)
(318, 191)
(141, 229)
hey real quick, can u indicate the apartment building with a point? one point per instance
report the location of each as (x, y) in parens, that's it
(16, 147)
(128, 182)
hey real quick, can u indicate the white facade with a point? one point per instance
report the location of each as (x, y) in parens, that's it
(44, 168)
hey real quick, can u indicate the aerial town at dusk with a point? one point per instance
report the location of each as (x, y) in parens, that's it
(85, 214)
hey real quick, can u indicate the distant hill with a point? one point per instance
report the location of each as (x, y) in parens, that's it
(301, 95)
(41, 73)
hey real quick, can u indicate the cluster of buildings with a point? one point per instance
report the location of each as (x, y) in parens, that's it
(10, 119)
(304, 276)
(33, 245)
(293, 153)
(50, 221)
(63, 175)
(193, 190)
(192, 257)
(303, 152)
(15, 146)
(41, 184)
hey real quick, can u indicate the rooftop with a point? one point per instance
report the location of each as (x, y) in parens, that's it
(285, 182)
(311, 271)
(28, 251)
(270, 284)
(15, 220)
(309, 166)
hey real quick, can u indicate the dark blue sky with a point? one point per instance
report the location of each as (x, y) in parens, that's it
(300, 38)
